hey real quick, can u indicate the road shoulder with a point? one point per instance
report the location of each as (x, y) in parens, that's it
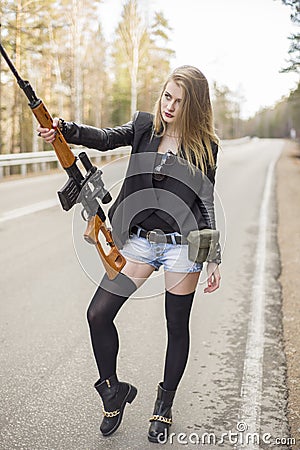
(288, 195)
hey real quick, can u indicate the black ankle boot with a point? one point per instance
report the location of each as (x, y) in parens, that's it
(162, 416)
(114, 395)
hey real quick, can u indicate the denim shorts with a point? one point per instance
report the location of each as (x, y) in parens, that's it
(173, 257)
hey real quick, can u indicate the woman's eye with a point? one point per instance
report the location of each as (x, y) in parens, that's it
(167, 96)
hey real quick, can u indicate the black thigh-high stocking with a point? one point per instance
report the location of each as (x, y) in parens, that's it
(107, 301)
(177, 310)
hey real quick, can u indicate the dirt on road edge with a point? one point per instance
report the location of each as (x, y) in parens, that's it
(288, 197)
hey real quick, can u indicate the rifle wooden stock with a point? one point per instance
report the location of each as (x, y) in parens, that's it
(113, 261)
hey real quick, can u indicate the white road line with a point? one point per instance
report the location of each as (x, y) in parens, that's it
(25, 210)
(251, 388)
(30, 180)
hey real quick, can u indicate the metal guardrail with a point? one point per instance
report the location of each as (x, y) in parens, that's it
(41, 160)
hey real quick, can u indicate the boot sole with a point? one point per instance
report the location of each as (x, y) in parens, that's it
(128, 399)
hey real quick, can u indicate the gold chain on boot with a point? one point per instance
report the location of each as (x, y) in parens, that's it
(111, 413)
(160, 419)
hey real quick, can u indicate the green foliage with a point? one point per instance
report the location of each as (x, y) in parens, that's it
(275, 122)
(278, 121)
(226, 106)
(295, 7)
(294, 51)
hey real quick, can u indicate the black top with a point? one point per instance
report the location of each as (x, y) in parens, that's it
(154, 222)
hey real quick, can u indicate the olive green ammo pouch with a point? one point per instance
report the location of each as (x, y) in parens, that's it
(203, 245)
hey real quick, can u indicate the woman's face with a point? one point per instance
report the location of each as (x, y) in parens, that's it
(171, 102)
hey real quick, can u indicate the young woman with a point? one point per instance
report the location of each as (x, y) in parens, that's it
(166, 194)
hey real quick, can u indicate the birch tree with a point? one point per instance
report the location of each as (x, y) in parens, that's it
(83, 21)
(141, 61)
(155, 62)
(132, 37)
(96, 85)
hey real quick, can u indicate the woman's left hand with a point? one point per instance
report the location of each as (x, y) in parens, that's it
(214, 277)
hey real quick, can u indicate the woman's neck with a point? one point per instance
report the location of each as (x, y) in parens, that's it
(170, 132)
(169, 142)
(171, 135)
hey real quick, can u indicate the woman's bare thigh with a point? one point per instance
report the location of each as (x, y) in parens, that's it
(138, 272)
(181, 283)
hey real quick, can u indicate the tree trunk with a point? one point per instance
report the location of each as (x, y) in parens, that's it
(134, 74)
(15, 130)
(77, 75)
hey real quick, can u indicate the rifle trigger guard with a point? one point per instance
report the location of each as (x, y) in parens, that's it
(84, 215)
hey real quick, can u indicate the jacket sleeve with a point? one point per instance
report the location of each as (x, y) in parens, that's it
(211, 171)
(207, 201)
(98, 138)
(208, 212)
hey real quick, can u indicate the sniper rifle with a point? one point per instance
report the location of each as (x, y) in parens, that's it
(86, 189)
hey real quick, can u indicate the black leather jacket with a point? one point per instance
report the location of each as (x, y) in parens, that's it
(188, 198)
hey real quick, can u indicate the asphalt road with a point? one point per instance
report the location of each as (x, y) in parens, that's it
(233, 392)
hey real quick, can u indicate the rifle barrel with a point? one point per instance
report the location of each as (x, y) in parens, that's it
(34, 101)
(10, 64)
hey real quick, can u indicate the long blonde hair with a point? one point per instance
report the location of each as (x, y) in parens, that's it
(194, 124)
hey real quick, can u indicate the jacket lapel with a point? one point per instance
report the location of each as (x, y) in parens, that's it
(153, 144)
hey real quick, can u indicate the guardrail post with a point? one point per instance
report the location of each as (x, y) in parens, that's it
(23, 169)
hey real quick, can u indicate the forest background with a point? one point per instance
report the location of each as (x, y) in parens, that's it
(60, 47)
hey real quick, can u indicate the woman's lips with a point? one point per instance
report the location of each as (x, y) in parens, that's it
(168, 115)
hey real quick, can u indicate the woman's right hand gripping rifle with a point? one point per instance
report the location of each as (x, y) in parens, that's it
(48, 134)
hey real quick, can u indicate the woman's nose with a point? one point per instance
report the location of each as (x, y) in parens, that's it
(171, 106)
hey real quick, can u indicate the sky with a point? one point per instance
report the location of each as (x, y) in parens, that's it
(241, 44)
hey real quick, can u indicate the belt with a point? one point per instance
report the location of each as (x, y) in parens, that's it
(158, 238)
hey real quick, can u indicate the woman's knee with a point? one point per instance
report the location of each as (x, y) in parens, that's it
(98, 312)
(104, 306)
(93, 317)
